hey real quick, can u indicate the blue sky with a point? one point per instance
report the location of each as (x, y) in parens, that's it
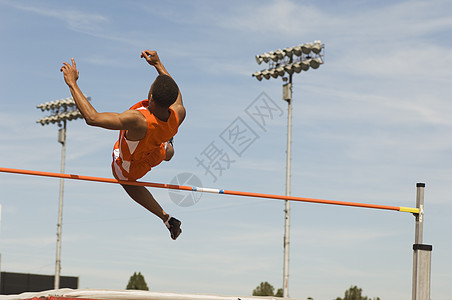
(369, 124)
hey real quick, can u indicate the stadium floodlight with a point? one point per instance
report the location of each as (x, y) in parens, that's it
(317, 47)
(297, 50)
(288, 51)
(305, 65)
(284, 62)
(280, 54)
(306, 48)
(273, 73)
(290, 60)
(57, 104)
(280, 71)
(262, 58)
(258, 75)
(69, 116)
(274, 56)
(315, 63)
(266, 57)
(258, 59)
(297, 67)
(61, 111)
(288, 69)
(266, 74)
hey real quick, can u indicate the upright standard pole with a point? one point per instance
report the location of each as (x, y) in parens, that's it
(287, 94)
(62, 140)
(421, 252)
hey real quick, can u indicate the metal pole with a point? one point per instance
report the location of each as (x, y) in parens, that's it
(418, 235)
(1, 286)
(288, 98)
(419, 232)
(421, 252)
(62, 140)
(281, 62)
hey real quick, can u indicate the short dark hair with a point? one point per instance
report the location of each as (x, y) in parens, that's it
(164, 90)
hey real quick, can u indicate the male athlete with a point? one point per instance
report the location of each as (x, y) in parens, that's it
(146, 132)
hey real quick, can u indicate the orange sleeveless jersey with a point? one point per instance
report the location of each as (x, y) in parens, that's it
(133, 159)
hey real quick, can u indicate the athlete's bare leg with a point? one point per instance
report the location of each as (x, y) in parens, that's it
(142, 196)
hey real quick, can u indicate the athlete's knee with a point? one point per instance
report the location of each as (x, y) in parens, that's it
(169, 149)
(169, 156)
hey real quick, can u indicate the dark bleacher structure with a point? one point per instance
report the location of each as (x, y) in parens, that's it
(16, 283)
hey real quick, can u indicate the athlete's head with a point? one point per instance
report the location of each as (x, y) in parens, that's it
(164, 91)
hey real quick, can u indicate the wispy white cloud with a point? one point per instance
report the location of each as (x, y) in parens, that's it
(287, 18)
(78, 20)
(391, 107)
(75, 19)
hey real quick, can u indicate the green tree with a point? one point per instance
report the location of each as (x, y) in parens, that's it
(354, 293)
(279, 293)
(137, 282)
(264, 289)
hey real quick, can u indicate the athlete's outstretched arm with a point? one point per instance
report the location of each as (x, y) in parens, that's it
(126, 120)
(153, 59)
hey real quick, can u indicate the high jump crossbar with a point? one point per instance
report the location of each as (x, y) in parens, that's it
(209, 190)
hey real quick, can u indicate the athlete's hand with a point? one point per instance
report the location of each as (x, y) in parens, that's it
(151, 57)
(70, 72)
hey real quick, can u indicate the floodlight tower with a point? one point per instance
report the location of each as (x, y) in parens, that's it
(281, 62)
(61, 111)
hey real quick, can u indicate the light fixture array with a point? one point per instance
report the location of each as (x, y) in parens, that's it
(290, 60)
(60, 111)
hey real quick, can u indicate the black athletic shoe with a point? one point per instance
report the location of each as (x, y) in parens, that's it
(174, 227)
